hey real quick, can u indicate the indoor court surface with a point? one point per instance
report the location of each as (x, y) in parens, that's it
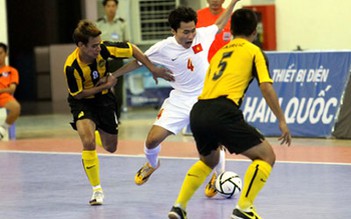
(41, 176)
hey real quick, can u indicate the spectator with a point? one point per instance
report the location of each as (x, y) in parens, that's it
(9, 80)
(115, 29)
(208, 16)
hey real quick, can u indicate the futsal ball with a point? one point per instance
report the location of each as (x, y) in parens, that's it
(228, 184)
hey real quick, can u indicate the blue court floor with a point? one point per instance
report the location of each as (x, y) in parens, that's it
(42, 185)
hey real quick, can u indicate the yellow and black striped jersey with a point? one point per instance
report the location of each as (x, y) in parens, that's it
(233, 68)
(80, 76)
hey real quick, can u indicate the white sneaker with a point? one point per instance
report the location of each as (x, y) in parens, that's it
(3, 134)
(97, 198)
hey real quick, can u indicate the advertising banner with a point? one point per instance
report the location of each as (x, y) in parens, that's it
(310, 88)
(309, 85)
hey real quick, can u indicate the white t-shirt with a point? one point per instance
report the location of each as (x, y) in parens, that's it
(189, 66)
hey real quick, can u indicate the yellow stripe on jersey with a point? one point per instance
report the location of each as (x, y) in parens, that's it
(233, 68)
(119, 49)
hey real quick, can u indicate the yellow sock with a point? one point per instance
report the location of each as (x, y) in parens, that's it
(255, 178)
(91, 166)
(193, 180)
(98, 139)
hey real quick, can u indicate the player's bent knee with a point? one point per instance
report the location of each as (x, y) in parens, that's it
(111, 148)
(151, 144)
(268, 157)
(272, 160)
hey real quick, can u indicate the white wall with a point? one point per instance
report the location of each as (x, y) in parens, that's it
(238, 5)
(313, 24)
(3, 22)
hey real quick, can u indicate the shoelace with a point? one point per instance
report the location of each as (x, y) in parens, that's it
(98, 194)
(146, 170)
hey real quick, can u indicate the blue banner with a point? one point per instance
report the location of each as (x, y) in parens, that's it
(310, 88)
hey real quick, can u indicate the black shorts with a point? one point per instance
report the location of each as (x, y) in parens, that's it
(101, 110)
(218, 122)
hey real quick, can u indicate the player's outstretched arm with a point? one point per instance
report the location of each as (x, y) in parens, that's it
(224, 18)
(271, 98)
(157, 72)
(130, 66)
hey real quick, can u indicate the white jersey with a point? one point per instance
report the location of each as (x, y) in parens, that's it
(189, 67)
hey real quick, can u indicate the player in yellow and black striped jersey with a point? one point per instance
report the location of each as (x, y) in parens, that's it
(92, 103)
(82, 76)
(217, 120)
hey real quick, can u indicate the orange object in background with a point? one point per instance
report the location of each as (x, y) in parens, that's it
(266, 37)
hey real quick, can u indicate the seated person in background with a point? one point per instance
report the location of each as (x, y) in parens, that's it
(8, 83)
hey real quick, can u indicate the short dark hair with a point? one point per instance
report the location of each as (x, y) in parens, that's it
(181, 14)
(243, 22)
(4, 46)
(104, 2)
(84, 30)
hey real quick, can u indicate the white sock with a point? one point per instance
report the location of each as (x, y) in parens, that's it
(152, 155)
(220, 168)
(97, 188)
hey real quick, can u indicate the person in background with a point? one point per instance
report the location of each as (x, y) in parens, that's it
(216, 119)
(9, 80)
(114, 29)
(208, 16)
(92, 103)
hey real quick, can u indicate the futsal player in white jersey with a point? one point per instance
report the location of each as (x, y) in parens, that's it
(185, 55)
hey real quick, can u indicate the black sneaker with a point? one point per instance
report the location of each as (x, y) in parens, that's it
(177, 213)
(239, 214)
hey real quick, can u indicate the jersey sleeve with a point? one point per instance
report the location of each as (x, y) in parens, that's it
(14, 76)
(154, 53)
(261, 68)
(207, 35)
(116, 49)
(209, 30)
(74, 80)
